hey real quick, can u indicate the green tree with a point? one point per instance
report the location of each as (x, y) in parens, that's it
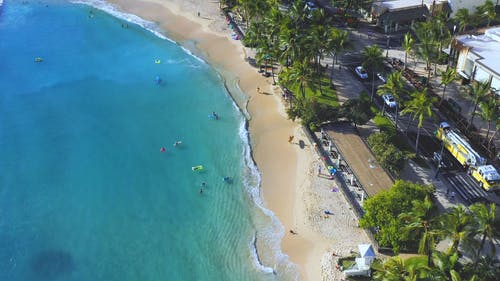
(484, 218)
(395, 87)
(408, 44)
(447, 76)
(399, 269)
(463, 18)
(337, 41)
(423, 219)
(372, 62)
(420, 106)
(457, 225)
(427, 48)
(312, 113)
(479, 92)
(487, 10)
(301, 74)
(486, 269)
(489, 112)
(455, 276)
(387, 154)
(253, 8)
(442, 36)
(444, 265)
(357, 111)
(382, 210)
(497, 127)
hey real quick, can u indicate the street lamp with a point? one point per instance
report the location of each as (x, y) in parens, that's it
(440, 160)
(387, 48)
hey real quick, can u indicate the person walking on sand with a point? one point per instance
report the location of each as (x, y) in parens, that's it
(258, 90)
(319, 169)
(290, 139)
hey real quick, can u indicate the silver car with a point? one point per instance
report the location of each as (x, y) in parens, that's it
(360, 71)
(389, 100)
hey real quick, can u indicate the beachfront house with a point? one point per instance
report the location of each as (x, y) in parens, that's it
(477, 57)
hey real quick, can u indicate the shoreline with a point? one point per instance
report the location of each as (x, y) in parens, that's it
(287, 171)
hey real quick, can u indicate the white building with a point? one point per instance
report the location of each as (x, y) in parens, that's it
(478, 57)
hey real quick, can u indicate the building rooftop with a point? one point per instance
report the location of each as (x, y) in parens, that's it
(406, 4)
(485, 46)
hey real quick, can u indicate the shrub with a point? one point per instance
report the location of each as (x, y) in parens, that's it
(386, 153)
(382, 210)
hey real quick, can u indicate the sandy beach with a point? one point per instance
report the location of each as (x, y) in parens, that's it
(290, 185)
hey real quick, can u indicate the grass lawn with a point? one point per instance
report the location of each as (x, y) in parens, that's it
(327, 95)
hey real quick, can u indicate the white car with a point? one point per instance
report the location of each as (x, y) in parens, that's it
(389, 100)
(381, 77)
(360, 71)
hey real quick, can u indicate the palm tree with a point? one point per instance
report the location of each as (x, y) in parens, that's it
(457, 225)
(484, 217)
(427, 46)
(487, 10)
(441, 34)
(274, 23)
(336, 42)
(489, 112)
(479, 92)
(372, 61)
(408, 43)
(398, 269)
(301, 73)
(420, 106)
(455, 276)
(447, 77)
(497, 127)
(423, 218)
(444, 264)
(463, 18)
(394, 86)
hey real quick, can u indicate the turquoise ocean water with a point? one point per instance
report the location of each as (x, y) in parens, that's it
(85, 193)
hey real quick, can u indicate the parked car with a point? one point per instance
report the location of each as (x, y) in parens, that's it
(382, 77)
(360, 71)
(389, 100)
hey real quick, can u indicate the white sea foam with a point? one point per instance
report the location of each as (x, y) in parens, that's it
(148, 25)
(272, 233)
(257, 261)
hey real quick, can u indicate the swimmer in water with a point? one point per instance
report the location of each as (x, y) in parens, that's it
(163, 149)
(214, 114)
(177, 143)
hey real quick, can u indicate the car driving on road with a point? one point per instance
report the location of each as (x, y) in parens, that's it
(389, 100)
(360, 71)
